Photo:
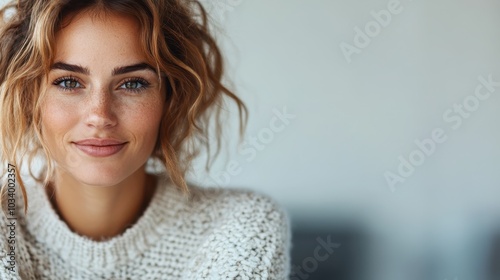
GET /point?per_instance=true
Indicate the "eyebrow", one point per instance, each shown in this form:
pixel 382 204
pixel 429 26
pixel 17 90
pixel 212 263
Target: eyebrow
pixel 116 71
pixel 132 68
pixel 70 67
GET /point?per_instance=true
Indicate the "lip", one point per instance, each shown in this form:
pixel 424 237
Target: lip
pixel 99 142
pixel 100 147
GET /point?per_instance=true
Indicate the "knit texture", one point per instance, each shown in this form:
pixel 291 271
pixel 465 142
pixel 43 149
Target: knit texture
pixel 211 234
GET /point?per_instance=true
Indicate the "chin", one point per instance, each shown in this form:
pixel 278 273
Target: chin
pixel 97 175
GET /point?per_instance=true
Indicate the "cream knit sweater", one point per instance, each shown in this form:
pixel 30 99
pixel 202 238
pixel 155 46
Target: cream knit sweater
pixel 212 234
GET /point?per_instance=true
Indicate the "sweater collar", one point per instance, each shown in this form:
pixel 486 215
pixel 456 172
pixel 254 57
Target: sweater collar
pixel 81 252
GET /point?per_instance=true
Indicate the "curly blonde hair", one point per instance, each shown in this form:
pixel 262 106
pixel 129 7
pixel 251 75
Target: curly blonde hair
pixel 175 34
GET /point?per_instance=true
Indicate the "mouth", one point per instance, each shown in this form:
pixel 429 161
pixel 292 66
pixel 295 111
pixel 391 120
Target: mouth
pixel 99 150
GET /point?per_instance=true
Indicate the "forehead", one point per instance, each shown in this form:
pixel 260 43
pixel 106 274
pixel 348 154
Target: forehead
pixel 89 37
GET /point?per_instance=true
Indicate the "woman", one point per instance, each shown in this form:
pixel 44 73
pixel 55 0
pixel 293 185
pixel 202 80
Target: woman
pixel 101 88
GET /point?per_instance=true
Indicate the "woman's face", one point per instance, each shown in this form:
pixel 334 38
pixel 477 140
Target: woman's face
pixel 101 86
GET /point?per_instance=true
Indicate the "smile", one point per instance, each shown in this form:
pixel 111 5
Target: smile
pixel 100 151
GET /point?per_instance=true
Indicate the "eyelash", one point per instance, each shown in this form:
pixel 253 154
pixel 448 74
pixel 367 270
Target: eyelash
pixel 62 79
pixel 144 84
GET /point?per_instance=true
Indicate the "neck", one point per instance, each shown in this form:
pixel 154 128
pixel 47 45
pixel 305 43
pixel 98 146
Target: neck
pixel 101 212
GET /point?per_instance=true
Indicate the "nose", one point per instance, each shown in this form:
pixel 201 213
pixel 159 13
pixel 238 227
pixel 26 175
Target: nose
pixel 100 105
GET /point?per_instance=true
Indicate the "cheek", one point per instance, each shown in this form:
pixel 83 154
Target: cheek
pixel 145 120
pixel 56 119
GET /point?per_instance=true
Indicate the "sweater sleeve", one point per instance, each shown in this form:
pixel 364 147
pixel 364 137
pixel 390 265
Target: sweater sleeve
pixel 251 241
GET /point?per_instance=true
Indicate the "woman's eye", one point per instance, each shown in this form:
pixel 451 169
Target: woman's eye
pixel 134 85
pixel 67 84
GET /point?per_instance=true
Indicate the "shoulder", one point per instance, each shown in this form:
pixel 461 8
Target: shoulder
pixel 246 206
pixel 249 233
